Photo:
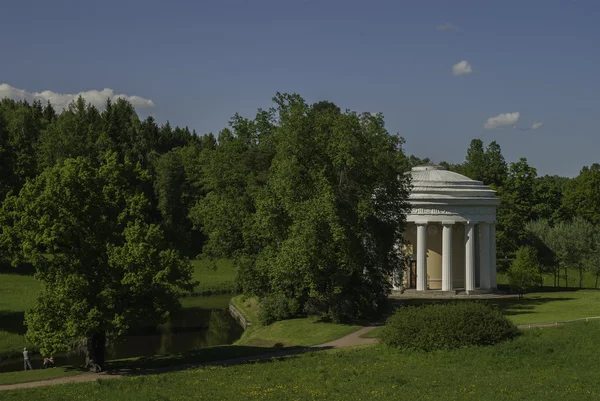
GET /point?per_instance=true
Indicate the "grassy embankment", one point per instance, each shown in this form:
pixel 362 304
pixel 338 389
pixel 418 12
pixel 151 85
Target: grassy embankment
pixel 558 363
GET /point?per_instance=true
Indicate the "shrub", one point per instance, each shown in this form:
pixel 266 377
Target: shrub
pixel 277 307
pixel 447 326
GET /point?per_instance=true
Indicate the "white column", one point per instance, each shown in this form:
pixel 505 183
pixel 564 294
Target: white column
pixel 493 283
pixel 421 256
pixel 484 257
pixel 447 255
pixel 469 256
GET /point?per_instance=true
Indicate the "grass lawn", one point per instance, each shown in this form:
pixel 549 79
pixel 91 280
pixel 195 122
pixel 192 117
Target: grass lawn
pixel 214 278
pixel 540 307
pixel 547 307
pixel 589 279
pixel 295 332
pixel 543 364
pixel 18 292
pixel 38 374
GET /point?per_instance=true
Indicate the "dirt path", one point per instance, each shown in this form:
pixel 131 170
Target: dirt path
pixel 551 324
pixel 350 340
pixel 82 378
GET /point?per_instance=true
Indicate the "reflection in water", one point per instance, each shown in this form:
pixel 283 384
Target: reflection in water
pixel 191 328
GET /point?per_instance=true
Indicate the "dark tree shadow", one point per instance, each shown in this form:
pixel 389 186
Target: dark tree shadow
pixel 23 269
pixel 12 322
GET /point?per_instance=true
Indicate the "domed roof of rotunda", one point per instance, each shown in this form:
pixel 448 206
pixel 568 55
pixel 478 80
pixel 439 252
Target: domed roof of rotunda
pixel 436 182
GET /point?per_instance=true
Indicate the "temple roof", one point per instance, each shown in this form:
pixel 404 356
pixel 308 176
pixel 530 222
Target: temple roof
pixel 436 182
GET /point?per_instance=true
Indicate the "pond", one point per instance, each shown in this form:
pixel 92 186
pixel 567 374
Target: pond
pixel 202 322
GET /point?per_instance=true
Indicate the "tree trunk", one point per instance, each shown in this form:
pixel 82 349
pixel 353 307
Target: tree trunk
pixel 566 278
pixel 597 274
pixel 580 276
pixel 96 345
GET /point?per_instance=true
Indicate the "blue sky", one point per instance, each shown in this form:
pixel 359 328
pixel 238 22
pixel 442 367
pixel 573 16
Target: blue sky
pixel 199 62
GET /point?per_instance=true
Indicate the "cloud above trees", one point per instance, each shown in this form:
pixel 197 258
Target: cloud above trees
pixel 502 121
pixel 510 120
pixel 61 101
pixel 462 68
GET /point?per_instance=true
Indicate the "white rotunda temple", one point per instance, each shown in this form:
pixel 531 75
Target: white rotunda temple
pixel 451 233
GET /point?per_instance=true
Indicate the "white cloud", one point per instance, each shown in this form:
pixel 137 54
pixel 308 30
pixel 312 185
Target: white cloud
pixel 448 26
pixel 61 101
pixel 462 68
pixel 537 124
pixel 502 121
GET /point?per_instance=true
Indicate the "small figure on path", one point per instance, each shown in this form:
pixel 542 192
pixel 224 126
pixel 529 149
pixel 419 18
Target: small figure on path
pixel 26 361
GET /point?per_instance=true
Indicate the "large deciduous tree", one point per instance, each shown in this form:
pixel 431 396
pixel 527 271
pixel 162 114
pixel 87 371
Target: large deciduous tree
pixel 312 203
pixel 104 267
pixel 516 208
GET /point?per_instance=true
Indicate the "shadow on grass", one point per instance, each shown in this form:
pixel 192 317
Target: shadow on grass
pixel 218 355
pixel 23 269
pixel 508 306
pixel 12 322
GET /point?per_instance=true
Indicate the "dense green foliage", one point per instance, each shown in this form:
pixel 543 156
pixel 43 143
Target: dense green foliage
pixel 582 194
pixel 525 270
pixel 308 201
pixel 446 326
pixel 543 364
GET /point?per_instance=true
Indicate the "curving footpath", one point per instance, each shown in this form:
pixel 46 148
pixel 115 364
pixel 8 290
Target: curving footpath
pixel 352 339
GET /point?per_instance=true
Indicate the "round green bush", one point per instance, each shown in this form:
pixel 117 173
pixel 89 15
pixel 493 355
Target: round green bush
pixel 447 326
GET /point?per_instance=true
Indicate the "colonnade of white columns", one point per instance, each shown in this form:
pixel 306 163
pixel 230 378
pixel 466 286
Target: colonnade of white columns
pixel 487 255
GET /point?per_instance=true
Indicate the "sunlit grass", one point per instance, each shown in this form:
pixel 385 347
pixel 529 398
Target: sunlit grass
pixel 214 277
pixel 543 364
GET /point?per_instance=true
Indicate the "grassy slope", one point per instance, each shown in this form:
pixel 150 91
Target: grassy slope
pixel 296 332
pixel 544 364
pixel 288 333
pixel 214 278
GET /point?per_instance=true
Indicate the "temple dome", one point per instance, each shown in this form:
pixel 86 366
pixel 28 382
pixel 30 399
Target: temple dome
pixel 436 182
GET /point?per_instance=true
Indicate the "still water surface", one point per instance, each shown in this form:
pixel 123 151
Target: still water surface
pixel 202 322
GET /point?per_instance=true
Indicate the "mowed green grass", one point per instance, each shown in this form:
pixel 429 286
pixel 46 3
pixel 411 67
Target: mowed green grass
pixel 538 307
pixel 589 279
pixel 214 277
pixel 36 375
pixel 295 332
pixel 548 307
pixel 558 363
pixel 17 294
